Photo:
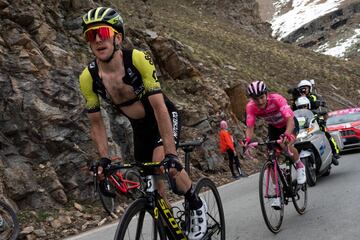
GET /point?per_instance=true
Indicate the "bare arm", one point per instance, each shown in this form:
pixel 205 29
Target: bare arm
pixel 98 133
pixel 164 122
pixel 290 125
pixel 249 132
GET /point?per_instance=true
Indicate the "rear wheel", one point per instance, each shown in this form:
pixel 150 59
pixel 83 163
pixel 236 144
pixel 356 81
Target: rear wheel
pixel 300 194
pixel 9 225
pixel 310 166
pixel 207 190
pixel 267 193
pixel 135 176
pixel 300 197
pixel 138 222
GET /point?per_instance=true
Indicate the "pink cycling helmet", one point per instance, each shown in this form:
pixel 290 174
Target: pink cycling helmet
pixel 223 124
pixel 256 89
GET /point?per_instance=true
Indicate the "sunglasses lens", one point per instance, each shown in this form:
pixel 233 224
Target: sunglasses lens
pixel 90 35
pixel 103 33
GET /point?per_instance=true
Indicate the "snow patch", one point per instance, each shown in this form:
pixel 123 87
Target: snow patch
pixel 302 12
pixel 341 46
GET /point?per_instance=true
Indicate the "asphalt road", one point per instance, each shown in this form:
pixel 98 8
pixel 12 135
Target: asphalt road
pixel 333 210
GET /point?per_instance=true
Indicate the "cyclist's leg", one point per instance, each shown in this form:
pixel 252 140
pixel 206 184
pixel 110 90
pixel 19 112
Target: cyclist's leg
pixel 182 180
pixel 274 134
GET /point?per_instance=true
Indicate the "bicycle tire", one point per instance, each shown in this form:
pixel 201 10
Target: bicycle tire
pixel 137 210
pixel 300 196
pixel 107 202
pixel 273 218
pixel 310 167
pixel 10 228
pixel 207 190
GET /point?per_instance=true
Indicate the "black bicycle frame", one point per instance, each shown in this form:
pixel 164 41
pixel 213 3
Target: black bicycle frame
pixel 162 208
pixel 273 157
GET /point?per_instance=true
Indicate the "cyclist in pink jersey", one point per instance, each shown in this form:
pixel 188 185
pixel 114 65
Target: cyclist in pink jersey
pixel 282 124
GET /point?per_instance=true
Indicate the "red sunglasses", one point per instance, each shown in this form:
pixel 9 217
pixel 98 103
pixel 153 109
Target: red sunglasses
pixel 104 32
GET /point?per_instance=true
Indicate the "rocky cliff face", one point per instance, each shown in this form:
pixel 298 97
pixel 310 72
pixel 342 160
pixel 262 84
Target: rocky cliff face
pixel 205 52
pixel 44 140
pixel 244 13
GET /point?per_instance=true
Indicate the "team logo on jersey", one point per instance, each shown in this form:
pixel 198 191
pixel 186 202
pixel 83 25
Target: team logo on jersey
pixel 147 57
pixel 130 72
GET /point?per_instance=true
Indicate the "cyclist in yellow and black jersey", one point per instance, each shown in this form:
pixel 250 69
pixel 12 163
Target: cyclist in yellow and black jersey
pixel 140 75
pixel 127 80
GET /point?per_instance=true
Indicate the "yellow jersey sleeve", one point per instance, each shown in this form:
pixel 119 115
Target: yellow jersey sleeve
pixel 86 88
pixel 144 64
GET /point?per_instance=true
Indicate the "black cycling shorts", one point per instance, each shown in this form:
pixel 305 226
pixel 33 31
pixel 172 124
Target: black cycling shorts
pixel 274 133
pixel 146 132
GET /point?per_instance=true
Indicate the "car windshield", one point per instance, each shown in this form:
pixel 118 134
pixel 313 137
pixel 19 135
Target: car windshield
pixel 345 118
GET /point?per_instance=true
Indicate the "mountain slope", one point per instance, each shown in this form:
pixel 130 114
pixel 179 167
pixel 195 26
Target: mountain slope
pixel 204 58
pixel 329 27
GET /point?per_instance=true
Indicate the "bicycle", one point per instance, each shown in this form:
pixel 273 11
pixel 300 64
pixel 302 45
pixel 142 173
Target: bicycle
pixel 276 181
pixel 116 183
pixel 9 224
pixel 150 217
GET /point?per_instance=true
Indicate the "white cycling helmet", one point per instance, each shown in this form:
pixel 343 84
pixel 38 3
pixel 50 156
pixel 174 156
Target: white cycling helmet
pixel 305 83
pixel 256 89
pixel 302 102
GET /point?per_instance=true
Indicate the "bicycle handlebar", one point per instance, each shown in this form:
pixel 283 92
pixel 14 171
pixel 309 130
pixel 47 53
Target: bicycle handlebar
pixel 113 167
pixel 270 143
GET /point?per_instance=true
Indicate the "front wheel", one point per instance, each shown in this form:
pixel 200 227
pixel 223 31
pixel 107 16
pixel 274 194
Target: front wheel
pixel 208 192
pixel 107 201
pixel 138 222
pixel 268 193
pixel 9 225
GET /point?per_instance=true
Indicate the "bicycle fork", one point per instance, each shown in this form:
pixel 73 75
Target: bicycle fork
pixel 163 209
pixel 274 177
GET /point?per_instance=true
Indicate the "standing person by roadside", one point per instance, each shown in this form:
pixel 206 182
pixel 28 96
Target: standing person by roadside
pixel 227 146
pixel 126 78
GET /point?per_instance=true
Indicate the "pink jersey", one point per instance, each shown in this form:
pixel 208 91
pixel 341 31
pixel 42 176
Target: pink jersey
pixel 276 112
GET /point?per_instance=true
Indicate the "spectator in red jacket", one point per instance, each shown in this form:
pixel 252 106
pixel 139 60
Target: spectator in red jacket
pixel 227 146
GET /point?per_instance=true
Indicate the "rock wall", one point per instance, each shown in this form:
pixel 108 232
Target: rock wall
pixel 245 13
pixel 45 149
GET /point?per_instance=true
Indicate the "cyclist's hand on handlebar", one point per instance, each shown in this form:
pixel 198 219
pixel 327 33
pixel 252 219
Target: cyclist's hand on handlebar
pixel 286 138
pixel 171 163
pixel 248 146
pixel 245 142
